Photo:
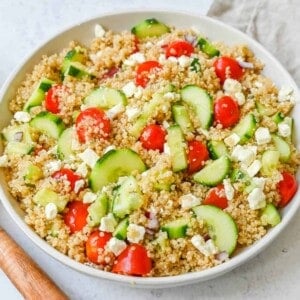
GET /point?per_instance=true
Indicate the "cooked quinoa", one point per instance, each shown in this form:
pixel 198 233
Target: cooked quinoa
pixel 111 61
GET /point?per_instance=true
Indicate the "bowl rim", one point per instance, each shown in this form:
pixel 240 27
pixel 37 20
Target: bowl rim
pixel 149 282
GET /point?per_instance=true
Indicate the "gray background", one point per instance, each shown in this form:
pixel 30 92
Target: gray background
pixel 274 274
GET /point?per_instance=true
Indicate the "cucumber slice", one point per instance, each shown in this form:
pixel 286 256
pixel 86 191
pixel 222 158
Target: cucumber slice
pixel 18 148
pixel 270 215
pixel 221 226
pixel 77 54
pixel 38 95
pixel 206 47
pixel 217 149
pixel 148 112
pixel 278 117
pixel 112 165
pixel 262 110
pixel 48 123
pixel 149 28
pixel 238 175
pixel 269 161
pixel 200 102
pixel 78 70
pixel 105 98
pixel 245 128
pixel 64 144
pixel 283 148
pixel 177 145
pixel 181 117
pixel 121 229
pixel 127 198
pixel 176 229
pixel 45 196
pixel 33 174
pixel 97 210
pixel 214 173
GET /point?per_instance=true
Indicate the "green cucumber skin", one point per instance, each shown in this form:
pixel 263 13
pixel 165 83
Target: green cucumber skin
pixel 107 171
pixel 245 129
pixel 222 227
pixel 149 28
pixel 121 229
pixel 217 149
pixel 207 48
pixel 181 117
pixel 97 210
pixel 204 176
pixel 201 102
pixel 176 229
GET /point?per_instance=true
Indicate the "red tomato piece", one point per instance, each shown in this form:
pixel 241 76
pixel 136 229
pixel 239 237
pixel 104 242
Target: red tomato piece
pixel 287 188
pixel 76 216
pixel 216 196
pixel 179 48
pixel 53 98
pixel 197 154
pixel 226 111
pixel 134 260
pixel 153 137
pixel 227 67
pixel 92 122
pixel 71 176
pixel 143 70
pixel 97 240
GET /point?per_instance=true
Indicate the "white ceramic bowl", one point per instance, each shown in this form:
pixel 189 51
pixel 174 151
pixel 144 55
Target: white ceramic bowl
pixel 125 20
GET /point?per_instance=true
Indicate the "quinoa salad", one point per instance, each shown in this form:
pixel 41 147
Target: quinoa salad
pixel 150 152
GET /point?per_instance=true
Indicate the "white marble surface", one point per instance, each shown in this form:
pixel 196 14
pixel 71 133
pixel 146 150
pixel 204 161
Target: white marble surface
pixel 273 274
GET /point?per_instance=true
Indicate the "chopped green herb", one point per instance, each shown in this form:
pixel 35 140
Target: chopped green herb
pixel 195 65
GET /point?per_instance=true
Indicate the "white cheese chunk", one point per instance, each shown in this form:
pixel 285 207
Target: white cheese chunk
pixel 183 61
pixel 116 246
pixel 53 166
pixel 228 188
pixel 246 157
pixel 232 140
pixel 170 96
pixel 172 59
pixel 254 168
pixel 129 89
pixel 82 170
pixel 50 211
pixel 232 86
pixel 286 93
pixel 89 156
pixel 259 182
pixel 89 197
pixel 188 201
pixel 115 111
pixel 207 248
pixel 257 199
pixel 79 184
pixel 22 116
pixel 240 98
pixel 135 233
pixel 132 112
pixel 167 149
pixel 99 31
pixel 138 57
pixel 108 223
pixel 3 160
pixel 262 135
pixel 162 59
pixel 138 92
pixel 284 129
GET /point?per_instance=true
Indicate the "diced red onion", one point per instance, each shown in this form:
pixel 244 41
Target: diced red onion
pixel 191 39
pixel 245 64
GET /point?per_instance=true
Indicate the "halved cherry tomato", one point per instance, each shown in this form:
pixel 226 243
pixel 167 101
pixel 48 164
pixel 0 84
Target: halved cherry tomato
pixel 153 137
pixel 134 260
pixel 179 48
pixel 71 176
pixel 216 196
pixel 197 154
pixel 227 67
pixel 142 72
pixel 97 240
pixel 287 188
pixel 226 111
pixel 92 123
pixel 76 216
pixel 53 98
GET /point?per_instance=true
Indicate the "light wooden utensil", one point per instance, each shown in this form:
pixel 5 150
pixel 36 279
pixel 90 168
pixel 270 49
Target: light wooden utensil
pixel 24 273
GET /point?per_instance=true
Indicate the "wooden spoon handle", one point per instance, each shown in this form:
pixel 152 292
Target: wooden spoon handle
pixel 24 273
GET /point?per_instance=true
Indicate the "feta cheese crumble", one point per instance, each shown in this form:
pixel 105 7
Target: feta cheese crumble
pixel 79 184
pixel 232 140
pixel 50 211
pixel 167 149
pixel 89 156
pixel 257 199
pixel 135 233
pixel 99 31
pixel 188 201
pixel 22 116
pixel 115 110
pixel 232 86
pixel 262 135
pixel 228 188
pixel 129 89
pixel 207 248
pixel 89 197
pixel 116 246
pixel 284 130
pixel 108 223
pixel 53 166
pixel 286 93
pixel 254 168
pixel 183 61
pixel 82 170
